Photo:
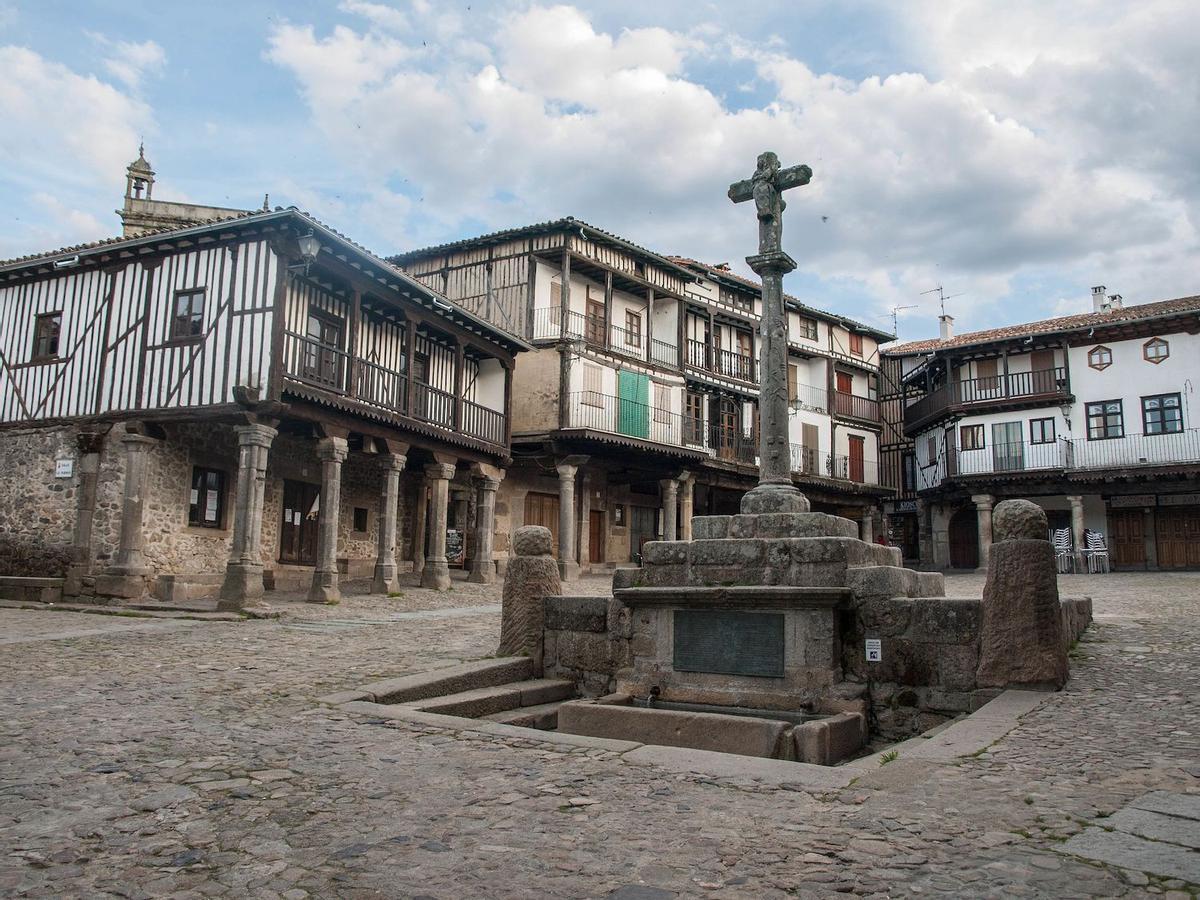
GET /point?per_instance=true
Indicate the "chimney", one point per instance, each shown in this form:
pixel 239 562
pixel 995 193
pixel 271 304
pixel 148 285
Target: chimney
pixel 1098 301
pixel 1115 302
pixel 945 327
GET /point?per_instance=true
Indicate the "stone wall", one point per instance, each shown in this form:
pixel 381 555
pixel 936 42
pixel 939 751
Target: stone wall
pixel 37 510
pixel 587 639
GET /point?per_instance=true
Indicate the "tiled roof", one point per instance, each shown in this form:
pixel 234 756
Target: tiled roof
pixel 536 228
pixel 722 271
pixel 1050 326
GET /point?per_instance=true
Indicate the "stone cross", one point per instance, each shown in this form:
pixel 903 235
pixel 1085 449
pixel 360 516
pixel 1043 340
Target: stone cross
pixel 775 491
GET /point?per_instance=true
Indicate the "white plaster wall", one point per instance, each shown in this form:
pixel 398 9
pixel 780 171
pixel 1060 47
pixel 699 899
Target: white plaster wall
pixel 1035 455
pixel 870 449
pixel 489 385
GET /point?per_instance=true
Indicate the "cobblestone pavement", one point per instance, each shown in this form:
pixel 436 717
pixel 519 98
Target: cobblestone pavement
pixel 144 759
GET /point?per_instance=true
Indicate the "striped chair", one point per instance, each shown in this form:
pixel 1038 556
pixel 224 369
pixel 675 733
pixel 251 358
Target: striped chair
pixel 1096 552
pixel 1064 554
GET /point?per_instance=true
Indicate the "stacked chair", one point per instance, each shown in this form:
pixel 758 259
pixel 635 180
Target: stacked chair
pixel 1064 553
pixel 1096 552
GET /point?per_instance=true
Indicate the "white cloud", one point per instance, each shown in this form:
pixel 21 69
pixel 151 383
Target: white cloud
pixel 130 62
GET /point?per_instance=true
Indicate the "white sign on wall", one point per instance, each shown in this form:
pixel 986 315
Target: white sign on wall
pixel 64 468
pixel 874 650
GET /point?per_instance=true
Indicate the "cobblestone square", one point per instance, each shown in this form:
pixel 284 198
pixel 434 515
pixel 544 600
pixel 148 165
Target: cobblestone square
pixel 146 757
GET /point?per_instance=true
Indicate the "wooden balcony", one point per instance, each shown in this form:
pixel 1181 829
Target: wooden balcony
pixel 1016 388
pixel 852 406
pixel 727 363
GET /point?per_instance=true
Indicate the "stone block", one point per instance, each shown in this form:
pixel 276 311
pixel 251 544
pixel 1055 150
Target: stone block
pixel 930 584
pixel 957 665
pixel 619 620
pixel 658 576
pixel 726 553
pixel 827 741
pixel 451 679
pixel 881 581
pixel 584 651
pixel 1019 520
pixel 576 614
pixel 710 527
pixel 946 620
pixel 664 553
pixel 885 617
pixel 626 578
pixel 846 551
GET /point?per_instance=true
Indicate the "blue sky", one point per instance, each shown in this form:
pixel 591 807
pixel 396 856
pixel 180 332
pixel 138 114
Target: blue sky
pixel 1017 153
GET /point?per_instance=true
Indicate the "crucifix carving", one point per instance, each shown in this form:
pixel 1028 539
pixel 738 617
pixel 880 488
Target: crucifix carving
pixel 775 491
pixel 765 187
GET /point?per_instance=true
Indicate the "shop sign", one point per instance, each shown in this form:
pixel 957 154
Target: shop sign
pixel 1131 500
pixel 1179 499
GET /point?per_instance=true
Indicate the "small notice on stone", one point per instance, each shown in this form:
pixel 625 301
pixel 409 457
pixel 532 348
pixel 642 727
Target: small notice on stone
pixel 64 468
pixel 874 650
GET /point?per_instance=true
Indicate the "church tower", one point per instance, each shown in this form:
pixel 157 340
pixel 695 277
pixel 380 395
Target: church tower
pixel 141 214
pixel 139 178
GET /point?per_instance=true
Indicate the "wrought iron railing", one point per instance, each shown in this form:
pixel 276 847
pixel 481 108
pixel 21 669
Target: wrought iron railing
pixel 664 353
pixel 618 415
pixel 805 396
pixel 807 460
pixel 854 407
pixel 1005 457
pixel 1135 450
pixel 548 324
pixel 730 363
pixel 852 468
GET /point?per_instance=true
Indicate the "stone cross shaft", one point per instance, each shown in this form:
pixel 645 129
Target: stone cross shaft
pixel 775 491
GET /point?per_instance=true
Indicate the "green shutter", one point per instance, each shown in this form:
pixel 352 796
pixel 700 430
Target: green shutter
pixel 633 397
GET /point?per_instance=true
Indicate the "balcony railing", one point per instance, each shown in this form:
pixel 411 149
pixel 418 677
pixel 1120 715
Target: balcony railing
pixel 1135 450
pixel 664 353
pixel 854 407
pixel 730 363
pixel 617 415
pixel 981 391
pixel 1017 456
pixel 810 461
pixel 805 396
pixel 316 363
pixel 548 325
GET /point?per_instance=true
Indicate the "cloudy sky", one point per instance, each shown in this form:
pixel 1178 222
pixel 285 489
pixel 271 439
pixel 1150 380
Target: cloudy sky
pixel 1016 153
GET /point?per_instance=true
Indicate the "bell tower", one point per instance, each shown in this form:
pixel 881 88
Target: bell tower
pixel 141 213
pixel 139 178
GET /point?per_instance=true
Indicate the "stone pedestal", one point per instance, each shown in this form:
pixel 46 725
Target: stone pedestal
pixel 244 570
pixel 436 574
pixel 483 568
pixel 384 581
pixel 332 452
pixel 531 577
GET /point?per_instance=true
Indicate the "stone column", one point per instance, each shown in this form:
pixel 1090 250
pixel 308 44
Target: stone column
pixel 420 526
pixel 130 559
pixel 670 498
pixel 244 570
pixel 585 522
pixel 867 526
pixel 389 499
pixel 983 516
pixel 567 566
pixel 483 568
pixel 332 453
pixel 436 574
pixel 89 444
pixel 687 504
pixel 1077 528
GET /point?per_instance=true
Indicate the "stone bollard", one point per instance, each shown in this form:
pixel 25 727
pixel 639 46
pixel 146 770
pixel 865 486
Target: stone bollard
pixel 1021 638
pixel 532 576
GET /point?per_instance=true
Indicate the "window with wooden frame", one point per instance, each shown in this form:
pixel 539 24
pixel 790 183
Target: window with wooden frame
pixel 1099 358
pixel 322 349
pixel 807 329
pixel 593 385
pixel 633 328
pixel 856 344
pixel 931 451
pixel 1155 350
pixel 793 383
pixel 1162 414
pixel 46 330
pixel 1041 431
pixel 662 404
pixel 187 318
pixel 908 472
pixel 1105 420
pixel 207 506
pixel 970 437
pixel 694 418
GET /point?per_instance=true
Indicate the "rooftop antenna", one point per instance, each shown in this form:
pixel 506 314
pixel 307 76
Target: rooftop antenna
pixel 895 319
pixel 942 296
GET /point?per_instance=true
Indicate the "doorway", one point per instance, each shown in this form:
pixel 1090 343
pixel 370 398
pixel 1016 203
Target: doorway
pixel 301 518
pixel 1178 533
pixel 596 535
pixel 643 527
pixel 857 447
pixel 964 540
pixel 542 509
pixel 1127 538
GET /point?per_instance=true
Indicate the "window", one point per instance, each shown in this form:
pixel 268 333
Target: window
pixel 633 329
pixel 856 345
pixel 1105 420
pixel 595 324
pixel 694 423
pixel 322 350
pixel 662 403
pixel 46 328
pixel 593 391
pixel 793 383
pixel 807 329
pixel 1041 431
pixel 1155 350
pixel 931 451
pixel 360 518
pixel 1162 414
pixel 1099 358
pixel 619 515
pixel 970 437
pixel 188 318
pixel 207 507
pixel 908 471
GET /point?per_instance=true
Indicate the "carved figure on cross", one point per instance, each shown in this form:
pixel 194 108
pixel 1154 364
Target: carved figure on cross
pixel 765 187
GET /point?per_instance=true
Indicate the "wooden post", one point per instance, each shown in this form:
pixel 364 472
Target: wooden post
pixel 458 384
pixel 608 298
pixel 649 324
pixel 508 382
pixel 564 310
pixel 352 344
pixel 410 356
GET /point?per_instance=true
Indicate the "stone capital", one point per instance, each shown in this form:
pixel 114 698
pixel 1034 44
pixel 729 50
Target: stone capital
pixel 483 470
pixel 255 435
pixel 566 471
pixel 137 441
pixel 393 462
pixel 1075 501
pixel 670 487
pixel 686 479
pixel 334 449
pixel 983 501
pixel 488 484
pixel 440 471
pixel 775 263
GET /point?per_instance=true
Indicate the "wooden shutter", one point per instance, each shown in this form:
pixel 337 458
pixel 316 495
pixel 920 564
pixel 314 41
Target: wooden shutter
pixel 793 380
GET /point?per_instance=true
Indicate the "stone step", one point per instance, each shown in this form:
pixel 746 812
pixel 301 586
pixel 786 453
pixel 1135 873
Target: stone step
pixel 894 581
pixel 482 673
pixel 543 716
pixel 481 702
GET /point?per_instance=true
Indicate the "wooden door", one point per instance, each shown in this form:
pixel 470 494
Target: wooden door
pixel 596 535
pixel 727 429
pixel 964 540
pixel 596 330
pixel 1127 538
pixel 1178 532
pixel 643 527
pixel 542 509
pixel 322 351
pixel 845 382
pixel 857 447
pixel 301 517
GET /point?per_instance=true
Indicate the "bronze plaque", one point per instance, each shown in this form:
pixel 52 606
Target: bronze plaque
pixel 726 642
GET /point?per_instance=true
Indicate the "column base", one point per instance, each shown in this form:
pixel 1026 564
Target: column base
pixel 243 581
pixel 384 581
pixel 484 573
pixel 324 588
pixel 568 570
pixel 436 575
pixel 774 498
pixel 126 583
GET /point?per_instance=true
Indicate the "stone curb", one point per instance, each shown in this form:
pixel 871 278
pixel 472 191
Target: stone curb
pixel 125 611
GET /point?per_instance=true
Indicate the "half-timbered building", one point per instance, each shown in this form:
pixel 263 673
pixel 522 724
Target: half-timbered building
pixel 638 404
pixel 1087 415
pixel 248 402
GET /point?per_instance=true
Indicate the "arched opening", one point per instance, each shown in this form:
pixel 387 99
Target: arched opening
pixel 964 539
